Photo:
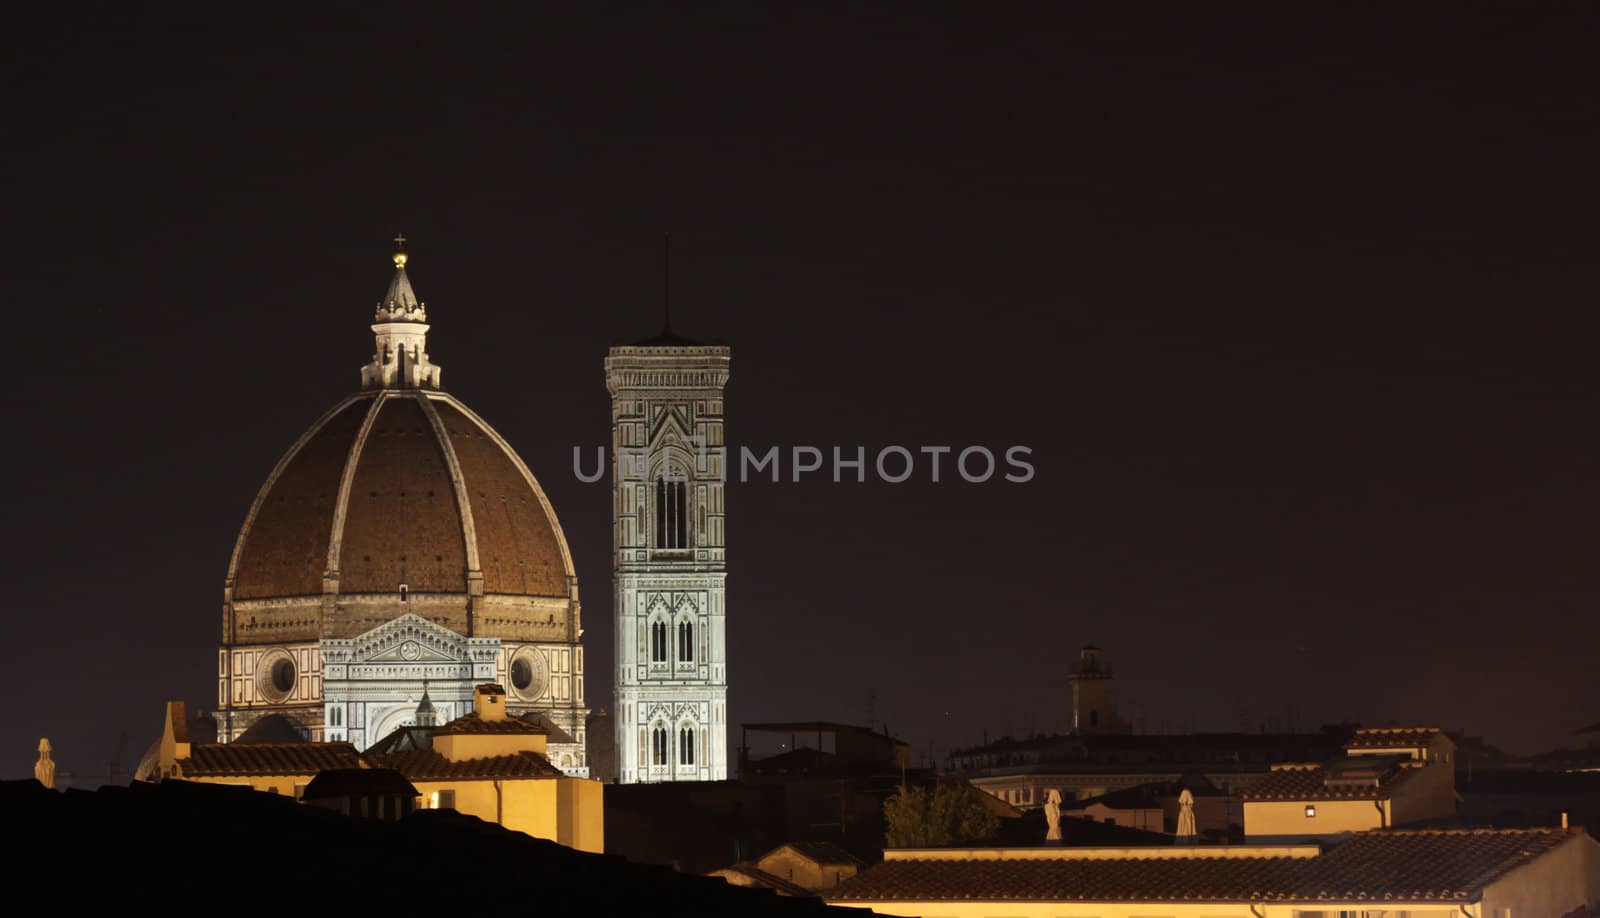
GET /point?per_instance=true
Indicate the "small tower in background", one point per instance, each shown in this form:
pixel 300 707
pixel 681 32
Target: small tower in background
pixel 1093 710
pixel 426 715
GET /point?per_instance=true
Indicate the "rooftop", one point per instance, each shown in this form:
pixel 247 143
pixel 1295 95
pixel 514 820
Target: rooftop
pixel 427 765
pixel 821 852
pixel 1342 779
pixel 1392 737
pixel 230 759
pixel 146 841
pixel 762 878
pixel 472 724
pixel 1389 866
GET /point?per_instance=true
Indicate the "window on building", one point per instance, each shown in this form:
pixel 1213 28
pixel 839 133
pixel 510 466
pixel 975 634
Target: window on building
pixel 685 642
pixel 444 800
pixel 1310 811
pixel 686 746
pixel 672 522
pixel 658 642
pixel 658 746
pixel 405 592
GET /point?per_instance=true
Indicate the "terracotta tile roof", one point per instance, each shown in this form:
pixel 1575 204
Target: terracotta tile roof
pixel 1390 737
pixel 1427 865
pixel 427 765
pixel 1320 782
pixel 235 759
pixel 1067 880
pixel 469 724
pixel 1389 866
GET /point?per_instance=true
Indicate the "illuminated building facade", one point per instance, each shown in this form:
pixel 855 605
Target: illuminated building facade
pixel 401 540
pixel 670 568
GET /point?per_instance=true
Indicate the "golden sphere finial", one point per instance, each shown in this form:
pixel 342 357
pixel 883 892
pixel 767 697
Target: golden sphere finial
pixel 399 250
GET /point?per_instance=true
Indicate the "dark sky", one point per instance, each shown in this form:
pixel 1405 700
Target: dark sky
pixel 1296 311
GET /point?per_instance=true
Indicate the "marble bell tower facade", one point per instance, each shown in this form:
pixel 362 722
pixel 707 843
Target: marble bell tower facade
pixel 667 471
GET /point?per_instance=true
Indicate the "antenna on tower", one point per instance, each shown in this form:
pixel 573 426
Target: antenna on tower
pixel 666 283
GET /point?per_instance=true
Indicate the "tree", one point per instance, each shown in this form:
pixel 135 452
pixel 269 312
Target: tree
pixel 949 813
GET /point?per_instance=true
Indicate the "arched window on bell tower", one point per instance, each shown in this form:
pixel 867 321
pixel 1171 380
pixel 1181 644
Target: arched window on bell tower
pixel 658 745
pixel 672 520
pixel 686 745
pixel 685 641
pixel 658 642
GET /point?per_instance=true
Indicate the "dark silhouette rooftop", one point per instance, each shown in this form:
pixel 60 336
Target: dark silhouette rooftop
pixel 135 842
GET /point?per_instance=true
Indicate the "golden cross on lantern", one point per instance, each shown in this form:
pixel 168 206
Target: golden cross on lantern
pixel 399 250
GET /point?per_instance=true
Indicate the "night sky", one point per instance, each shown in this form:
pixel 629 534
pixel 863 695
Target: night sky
pixel 1297 314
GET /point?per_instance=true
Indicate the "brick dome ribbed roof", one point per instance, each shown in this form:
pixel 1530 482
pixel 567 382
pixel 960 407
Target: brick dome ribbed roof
pixel 400 486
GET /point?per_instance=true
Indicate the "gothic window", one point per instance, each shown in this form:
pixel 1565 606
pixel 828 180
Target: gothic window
pixel 685 642
pixel 686 746
pixel 658 642
pixel 658 746
pixel 672 530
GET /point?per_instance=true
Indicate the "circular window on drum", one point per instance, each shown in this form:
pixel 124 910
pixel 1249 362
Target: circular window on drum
pixel 276 675
pixel 530 676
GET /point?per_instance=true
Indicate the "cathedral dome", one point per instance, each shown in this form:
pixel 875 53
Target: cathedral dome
pixel 399 499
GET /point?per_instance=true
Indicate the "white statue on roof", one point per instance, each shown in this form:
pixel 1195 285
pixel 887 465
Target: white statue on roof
pixel 1052 816
pixel 1186 824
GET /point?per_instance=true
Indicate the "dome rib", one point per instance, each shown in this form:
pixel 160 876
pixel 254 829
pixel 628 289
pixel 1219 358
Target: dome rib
pixel 347 476
pixel 458 482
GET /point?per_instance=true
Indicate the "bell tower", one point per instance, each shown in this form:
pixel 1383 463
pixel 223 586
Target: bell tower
pixel 1092 708
pixel 669 570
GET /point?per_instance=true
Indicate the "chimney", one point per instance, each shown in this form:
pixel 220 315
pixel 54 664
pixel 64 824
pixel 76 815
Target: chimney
pixel 489 702
pixel 175 743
